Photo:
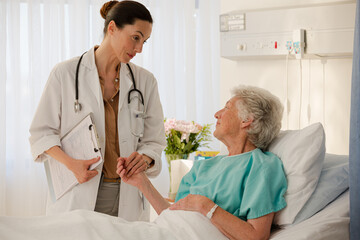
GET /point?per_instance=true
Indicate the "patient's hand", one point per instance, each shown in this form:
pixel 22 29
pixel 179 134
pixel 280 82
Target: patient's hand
pixel 193 202
pixel 141 181
pixel 136 163
pixel 136 180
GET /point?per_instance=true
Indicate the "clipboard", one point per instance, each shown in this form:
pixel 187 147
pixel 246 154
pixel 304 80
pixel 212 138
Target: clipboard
pixel 81 142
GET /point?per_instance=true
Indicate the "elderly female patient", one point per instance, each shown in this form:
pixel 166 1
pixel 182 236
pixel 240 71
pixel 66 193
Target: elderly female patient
pixel 240 192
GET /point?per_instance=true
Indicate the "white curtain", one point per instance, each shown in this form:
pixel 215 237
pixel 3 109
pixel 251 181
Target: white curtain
pixel 182 53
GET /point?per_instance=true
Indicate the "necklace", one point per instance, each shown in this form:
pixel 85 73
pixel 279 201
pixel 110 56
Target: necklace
pixel 111 86
pixel 116 80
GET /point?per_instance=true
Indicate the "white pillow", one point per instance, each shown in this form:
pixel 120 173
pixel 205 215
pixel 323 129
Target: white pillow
pixel 302 153
pixel 333 181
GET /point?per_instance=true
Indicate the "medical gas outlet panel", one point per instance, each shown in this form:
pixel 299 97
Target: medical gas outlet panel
pixel 261 46
pixel 310 32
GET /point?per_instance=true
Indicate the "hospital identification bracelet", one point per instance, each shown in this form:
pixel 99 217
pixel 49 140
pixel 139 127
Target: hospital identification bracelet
pixel 211 212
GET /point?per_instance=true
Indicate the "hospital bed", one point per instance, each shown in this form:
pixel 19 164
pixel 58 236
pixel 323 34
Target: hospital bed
pixel 318 195
pixel 317 204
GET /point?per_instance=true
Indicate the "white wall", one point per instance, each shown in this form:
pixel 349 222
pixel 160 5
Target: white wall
pixel 325 85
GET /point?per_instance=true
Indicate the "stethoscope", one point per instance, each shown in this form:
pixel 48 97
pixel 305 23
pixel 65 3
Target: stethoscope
pixel 77 105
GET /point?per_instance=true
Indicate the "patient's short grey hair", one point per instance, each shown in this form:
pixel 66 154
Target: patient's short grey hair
pixel 266 110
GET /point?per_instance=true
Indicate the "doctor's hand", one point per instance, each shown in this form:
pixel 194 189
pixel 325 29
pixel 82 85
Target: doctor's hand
pixel 81 171
pixel 137 180
pixel 194 202
pixel 136 163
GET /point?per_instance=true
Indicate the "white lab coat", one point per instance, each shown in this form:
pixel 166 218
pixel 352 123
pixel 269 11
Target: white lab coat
pixel 55 116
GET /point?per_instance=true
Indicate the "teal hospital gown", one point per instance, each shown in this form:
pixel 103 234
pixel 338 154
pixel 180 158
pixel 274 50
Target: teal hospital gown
pixel 248 185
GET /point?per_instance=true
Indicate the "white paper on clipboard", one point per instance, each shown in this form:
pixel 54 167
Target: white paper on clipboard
pixel 81 143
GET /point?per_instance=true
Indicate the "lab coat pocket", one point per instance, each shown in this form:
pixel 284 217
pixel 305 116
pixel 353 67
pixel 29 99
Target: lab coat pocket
pixel 137 119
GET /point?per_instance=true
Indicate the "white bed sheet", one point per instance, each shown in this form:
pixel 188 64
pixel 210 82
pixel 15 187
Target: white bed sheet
pixel 331 223
pixel 88 225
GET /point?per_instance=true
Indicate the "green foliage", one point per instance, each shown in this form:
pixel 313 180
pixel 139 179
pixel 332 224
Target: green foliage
pixel 196 140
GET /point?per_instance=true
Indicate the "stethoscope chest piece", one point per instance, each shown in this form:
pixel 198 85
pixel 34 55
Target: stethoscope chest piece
pixel 77 106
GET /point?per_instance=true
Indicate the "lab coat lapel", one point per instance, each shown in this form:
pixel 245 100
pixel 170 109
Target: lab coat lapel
pixel 93 87
pixel 125 85
pixel 92 76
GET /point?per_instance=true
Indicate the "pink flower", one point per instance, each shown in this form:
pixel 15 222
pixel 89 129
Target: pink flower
pixel 180 142
pixel 169 124
pixel 184 127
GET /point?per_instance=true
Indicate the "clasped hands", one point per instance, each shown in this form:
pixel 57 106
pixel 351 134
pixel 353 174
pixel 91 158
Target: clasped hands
pixel 135 176
pixel 132 165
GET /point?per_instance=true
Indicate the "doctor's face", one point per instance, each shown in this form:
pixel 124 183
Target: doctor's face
pixel 129 40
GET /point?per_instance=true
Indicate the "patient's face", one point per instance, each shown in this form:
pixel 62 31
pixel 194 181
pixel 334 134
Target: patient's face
pixel 228 121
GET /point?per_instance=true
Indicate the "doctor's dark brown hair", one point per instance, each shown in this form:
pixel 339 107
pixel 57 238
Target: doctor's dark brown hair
pixel 124 12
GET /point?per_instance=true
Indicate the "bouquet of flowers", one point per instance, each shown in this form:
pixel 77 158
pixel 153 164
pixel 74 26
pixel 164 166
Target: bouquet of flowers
pixel 185 137
pixel 182 139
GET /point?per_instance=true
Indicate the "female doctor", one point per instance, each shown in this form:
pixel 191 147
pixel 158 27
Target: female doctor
pixel 124 102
